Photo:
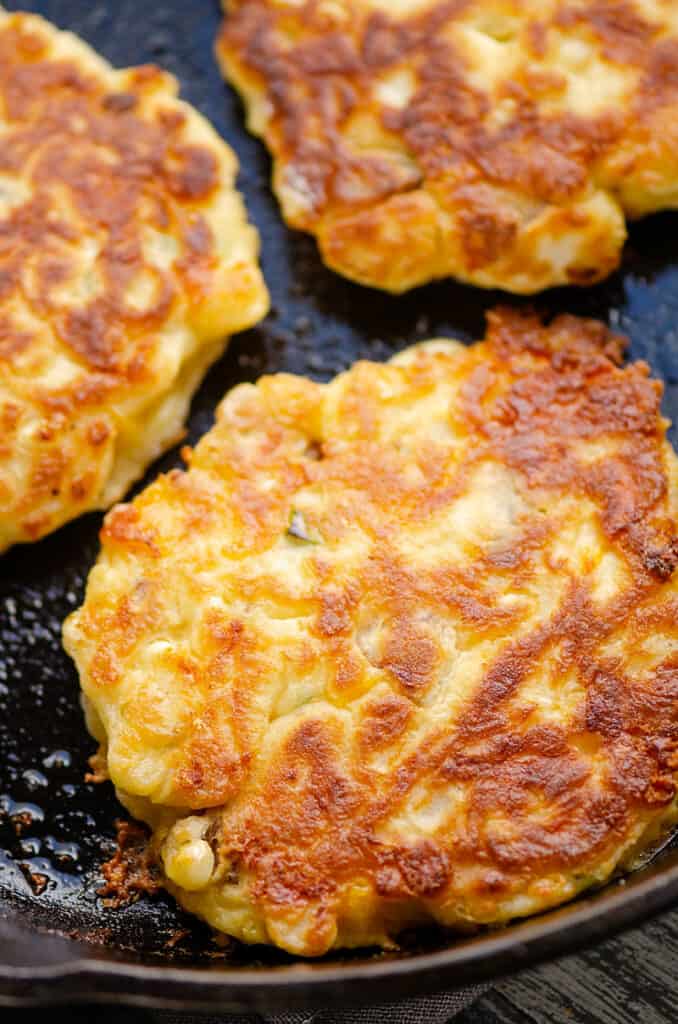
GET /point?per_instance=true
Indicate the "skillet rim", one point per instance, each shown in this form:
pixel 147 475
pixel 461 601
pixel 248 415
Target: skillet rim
pixel 309 985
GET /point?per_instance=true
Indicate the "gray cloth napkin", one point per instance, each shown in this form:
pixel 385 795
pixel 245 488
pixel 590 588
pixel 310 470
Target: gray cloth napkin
pixel 436 1009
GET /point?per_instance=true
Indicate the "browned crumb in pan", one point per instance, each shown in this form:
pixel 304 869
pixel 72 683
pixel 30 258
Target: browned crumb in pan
pixel 132 871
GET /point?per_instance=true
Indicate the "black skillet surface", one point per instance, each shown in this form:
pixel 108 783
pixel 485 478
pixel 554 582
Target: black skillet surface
pixel 55 830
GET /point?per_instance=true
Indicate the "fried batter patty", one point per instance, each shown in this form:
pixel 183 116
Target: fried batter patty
pixel 125 261
pixel 401 647
pixel 502 142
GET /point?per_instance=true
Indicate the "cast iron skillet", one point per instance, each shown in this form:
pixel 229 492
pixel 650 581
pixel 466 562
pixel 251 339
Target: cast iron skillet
pixel 55 830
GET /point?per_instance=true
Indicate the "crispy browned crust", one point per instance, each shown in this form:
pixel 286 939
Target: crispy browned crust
pixel 405 692
pixel 115 289
pixel 526 132
pixel 132 871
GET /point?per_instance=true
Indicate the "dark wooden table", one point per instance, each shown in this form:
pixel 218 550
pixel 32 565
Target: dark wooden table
pixel 632 979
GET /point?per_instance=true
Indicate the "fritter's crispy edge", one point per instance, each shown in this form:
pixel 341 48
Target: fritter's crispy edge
pixel 70 447
pixel 535 202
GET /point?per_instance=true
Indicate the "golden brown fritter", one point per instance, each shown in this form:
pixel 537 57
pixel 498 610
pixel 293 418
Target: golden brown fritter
pixel 399 647
pixel 502 142
pixel 125 261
